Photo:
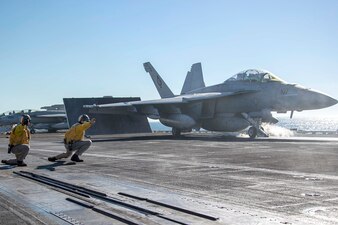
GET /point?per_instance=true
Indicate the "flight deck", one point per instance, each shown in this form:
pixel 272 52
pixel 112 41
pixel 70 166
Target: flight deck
pixel 156 179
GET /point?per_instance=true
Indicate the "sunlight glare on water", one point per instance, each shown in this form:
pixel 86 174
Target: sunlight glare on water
pixel 310 123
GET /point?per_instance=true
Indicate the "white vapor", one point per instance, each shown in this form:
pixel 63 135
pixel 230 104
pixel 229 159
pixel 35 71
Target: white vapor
pixel 277 131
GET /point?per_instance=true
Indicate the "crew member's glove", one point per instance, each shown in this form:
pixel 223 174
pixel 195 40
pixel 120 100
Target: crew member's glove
pixel 10 148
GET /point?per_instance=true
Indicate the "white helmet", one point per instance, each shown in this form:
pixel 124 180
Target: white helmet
pixel 25 119
pixel 83 118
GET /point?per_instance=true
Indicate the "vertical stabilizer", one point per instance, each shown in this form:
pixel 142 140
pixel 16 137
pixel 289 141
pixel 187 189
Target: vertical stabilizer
pixel 161 86
pixel 194 79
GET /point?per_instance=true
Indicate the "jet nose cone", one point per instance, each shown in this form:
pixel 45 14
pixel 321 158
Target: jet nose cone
pixel 322 100
pixel 331 101
pixel 310 99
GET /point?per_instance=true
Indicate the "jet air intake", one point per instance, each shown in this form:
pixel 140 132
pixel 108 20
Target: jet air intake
pixel 180 121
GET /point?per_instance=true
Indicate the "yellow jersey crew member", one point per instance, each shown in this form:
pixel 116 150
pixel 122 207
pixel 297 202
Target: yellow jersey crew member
pixel 74 139
pixel 19 142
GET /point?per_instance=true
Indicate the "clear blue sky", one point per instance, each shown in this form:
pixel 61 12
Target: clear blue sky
pixel 55 49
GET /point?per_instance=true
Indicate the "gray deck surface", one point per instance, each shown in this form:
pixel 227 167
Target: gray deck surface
pixel 237 180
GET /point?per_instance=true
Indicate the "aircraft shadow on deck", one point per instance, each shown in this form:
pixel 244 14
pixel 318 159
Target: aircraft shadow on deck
pixel 211 138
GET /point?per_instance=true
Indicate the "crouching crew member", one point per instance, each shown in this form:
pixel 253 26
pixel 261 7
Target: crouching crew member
pixel 74 140
pixel 19 142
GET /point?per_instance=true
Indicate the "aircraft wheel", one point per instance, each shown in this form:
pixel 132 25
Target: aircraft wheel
pixel 252 132
pixel 176 132
pixel 32 131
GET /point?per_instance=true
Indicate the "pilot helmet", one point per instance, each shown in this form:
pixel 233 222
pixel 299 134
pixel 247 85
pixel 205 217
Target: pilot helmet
pixel 25 119
pixel 83 118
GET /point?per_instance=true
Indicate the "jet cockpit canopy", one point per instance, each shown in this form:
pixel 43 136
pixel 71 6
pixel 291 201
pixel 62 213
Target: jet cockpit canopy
pixel 253 75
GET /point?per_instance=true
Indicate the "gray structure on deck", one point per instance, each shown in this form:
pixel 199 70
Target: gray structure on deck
pixel 106 123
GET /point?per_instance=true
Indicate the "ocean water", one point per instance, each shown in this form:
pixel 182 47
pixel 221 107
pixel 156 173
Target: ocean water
pixel 299 124
pixel 310 123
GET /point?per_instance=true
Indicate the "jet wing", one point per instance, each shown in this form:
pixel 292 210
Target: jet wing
pixel 51 115
pixel 150 107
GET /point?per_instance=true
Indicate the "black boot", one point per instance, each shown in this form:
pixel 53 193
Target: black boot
pixel 75 158
pixel 4 161
pixel 21 163
pixel 52 159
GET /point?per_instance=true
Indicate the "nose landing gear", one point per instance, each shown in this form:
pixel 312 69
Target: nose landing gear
pixel 255 129
pixel 252 132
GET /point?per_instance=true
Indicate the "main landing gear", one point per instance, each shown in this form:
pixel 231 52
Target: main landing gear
pixel 176 132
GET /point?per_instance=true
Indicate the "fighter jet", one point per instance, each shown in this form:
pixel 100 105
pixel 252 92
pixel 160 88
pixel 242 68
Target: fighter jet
pixel 52 119
pixel 244 100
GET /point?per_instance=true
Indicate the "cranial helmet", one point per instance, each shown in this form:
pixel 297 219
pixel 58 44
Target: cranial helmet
pixel 83 118
pixel 25 119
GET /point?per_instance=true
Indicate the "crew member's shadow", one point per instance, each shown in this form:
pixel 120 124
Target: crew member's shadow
pixel 55 164
pixel 7 167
